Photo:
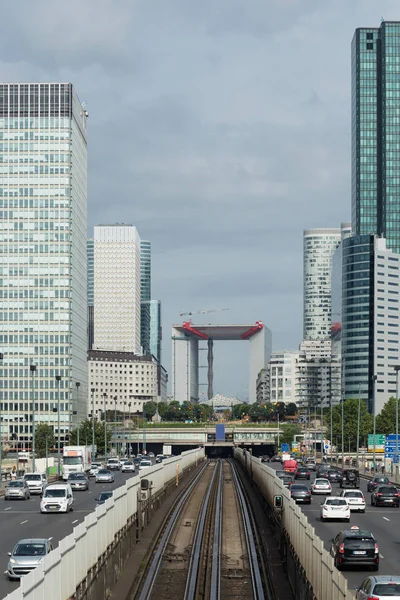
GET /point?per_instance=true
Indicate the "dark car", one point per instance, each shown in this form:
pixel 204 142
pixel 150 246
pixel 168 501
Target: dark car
pixel 322 470
pixel 300 493
pixel 378 480
pixel 311 465
pixel 103 497
pixel 350 478
pixel 334 476
pixel 302 473
pixel 78 481
pixel 276 458
pixel 159 458
pixel 265 459
pixel 355 547
pixel 136 461
pixel 287 480
pixel 385 495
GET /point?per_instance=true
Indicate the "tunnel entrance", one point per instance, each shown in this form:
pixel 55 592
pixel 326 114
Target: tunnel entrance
pixel 219 451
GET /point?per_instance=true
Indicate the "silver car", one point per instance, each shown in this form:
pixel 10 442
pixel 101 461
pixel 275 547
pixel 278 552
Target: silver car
pixel 128 467
pixel 17 490
pixel 26 556
pixel 105 476
pixel 379 586
pixel 78 481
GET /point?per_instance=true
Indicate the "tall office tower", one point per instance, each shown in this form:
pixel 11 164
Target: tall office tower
pixel 145 291
pixel 90 291
pixel 42 258
pixel 117 288
pixel 318 248
pixel 375 139
pixel 155 329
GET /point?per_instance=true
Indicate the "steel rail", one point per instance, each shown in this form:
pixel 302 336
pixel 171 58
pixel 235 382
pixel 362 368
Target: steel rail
pixel 156 563
pixel 217 543
pixel 194 563
pixel 258 588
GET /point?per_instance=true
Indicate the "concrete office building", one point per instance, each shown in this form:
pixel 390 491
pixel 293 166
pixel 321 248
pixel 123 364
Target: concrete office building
pixel 262 386
pixel 90 291
pixel 282 376
pixel 145 293
pixel 318 248
pixel 117 288
pixel 43 315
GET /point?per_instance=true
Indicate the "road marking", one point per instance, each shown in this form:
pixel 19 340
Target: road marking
pixel 9 508
pixel 50 538
pixel 386 519
pixel 24 521
pixel 89 492
pixel 381 555
pixel 76 520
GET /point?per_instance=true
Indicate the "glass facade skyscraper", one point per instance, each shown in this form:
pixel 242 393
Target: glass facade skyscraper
pixel 375 132
pixel 145 293
pixel 43 179
pixel 90 291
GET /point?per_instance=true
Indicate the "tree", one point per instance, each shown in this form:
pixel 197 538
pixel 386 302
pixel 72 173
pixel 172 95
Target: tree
pixel 350 410
pixel 239 410
pixel 150 408
pixel 288 433
pixel 85 435
pixel 43 432
pixel 162 409
pixel 291 409
pixel 386 420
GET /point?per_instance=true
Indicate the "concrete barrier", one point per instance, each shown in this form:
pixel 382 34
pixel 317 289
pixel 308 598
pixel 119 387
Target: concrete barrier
pixel 309 566
pixel 82 555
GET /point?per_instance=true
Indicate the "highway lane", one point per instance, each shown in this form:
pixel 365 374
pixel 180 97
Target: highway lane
pixel 22 519
pixel 384 523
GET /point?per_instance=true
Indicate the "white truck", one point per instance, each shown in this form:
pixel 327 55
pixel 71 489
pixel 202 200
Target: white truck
pixel 76 459
pixel 167 450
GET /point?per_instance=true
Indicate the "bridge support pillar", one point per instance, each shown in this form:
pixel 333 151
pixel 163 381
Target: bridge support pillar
pixel 210 374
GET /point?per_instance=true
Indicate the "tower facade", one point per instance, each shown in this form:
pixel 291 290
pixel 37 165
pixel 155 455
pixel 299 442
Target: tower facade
pixel 43 293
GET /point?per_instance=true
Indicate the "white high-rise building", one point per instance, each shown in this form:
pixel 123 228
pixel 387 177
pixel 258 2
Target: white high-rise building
pixel 318 248
pixel 117 292
pixel 282 376
pixel 43 316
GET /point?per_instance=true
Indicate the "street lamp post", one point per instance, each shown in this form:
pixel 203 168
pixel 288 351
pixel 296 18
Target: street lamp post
pixel 92 392
pixel 374 378
pixel 78 385
pixel 144 429
pixel 342 394
pixel 358 422
pixel 32 370
pixel 397 369
pixel 115 424
pixel 330 402
pixel 58 379
pixel 1 436
pixel 123 428
pixel 105 427
pixel 129 421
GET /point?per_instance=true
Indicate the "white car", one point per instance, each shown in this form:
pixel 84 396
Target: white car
pixel 355 498
pixel 379 587
pixel 335 507
pixel 128 467
pixel 36 482
pixel 123 461
pixel 57 497
pixel 321 486
pixel 94 469
pixel 145 464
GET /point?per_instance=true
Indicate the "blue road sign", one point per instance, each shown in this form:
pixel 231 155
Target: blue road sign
pixel 285 447
pixel 396 459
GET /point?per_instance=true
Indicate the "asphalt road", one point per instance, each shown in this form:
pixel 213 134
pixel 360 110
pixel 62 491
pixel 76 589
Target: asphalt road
pixel 22 519
pixel 383 522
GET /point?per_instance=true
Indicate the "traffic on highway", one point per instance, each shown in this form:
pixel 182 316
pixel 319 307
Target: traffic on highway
pixel 360 536
pixel 28 534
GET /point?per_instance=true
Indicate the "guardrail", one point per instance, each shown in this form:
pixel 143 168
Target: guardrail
pixel 80 556
pixel 310 569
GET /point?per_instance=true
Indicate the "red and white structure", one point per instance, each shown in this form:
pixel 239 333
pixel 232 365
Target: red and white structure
pixel 186 339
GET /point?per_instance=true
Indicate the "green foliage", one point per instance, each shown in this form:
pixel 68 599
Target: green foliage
pixel 291 409
pixel 150 408
pixel 350 410
pixel 85 435
pixel 289 430
pixel 43 432
pixel 386 420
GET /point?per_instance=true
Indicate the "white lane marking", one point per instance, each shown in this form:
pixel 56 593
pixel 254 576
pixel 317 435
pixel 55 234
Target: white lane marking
pixel 22 523
pixel 9 508
pixel 89 492
pixel 76 520
pixel 386 519
pixel 381 555
pixel 50 538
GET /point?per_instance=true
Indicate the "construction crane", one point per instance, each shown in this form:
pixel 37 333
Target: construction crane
pixel 202 312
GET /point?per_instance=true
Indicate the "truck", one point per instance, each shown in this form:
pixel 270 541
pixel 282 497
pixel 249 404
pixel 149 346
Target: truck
pixel 290 465
pixel 76 459
pixel 167 450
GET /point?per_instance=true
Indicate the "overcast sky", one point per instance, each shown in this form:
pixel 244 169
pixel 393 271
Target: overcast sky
pixel 220 128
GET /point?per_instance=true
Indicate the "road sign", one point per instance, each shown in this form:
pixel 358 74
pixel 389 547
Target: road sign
pixel 285 447
pixel 396 459
pixel 327 446
pixel 380 440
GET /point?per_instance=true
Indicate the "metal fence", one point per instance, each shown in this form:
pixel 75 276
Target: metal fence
pixel 309 566
pixel 61 572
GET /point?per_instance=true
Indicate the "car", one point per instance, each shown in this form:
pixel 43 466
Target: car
pixel 287 480
pixel 159 458
pixel 151 455
pixel 276 458
pixel 17 490
pixel 26 556
pixel 379 587
pixel 128 467
pixel 333 476
pixel 281 474
pixel 145 464
pixel 350 477
pixel 311 465
pixel 300 493
pixel 322 470
pixel 321 486
pixel 94 469
pixel 355 547
pixel 104 496
pixel 335 507
pixel 385 495
pixel 36 482
pixel 113 464
pixel 78 481
pixel 57 497
pixel 378 480
pixel 105 476
pixel 302 473
pixel 355 498
pixel 122 462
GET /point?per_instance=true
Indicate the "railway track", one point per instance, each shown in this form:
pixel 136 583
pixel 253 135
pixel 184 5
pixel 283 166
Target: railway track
pixel 208 549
